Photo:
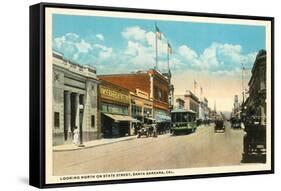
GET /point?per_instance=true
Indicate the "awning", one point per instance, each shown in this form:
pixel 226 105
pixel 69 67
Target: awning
pixel 119 117
pixel 150 118
pixel 135 120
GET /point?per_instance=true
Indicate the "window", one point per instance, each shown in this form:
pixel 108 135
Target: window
pixel 57 120
pixel 93 121
pixel 160 94
pixel 110 108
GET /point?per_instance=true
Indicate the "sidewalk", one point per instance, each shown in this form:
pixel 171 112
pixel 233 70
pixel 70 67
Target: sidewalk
pixel 90 144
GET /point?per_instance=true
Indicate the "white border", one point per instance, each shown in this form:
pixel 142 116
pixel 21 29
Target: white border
pixel 50 179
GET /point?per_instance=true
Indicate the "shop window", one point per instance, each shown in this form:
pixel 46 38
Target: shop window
pixel 57 120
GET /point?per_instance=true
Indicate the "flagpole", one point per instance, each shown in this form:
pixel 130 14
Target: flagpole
pixel 168 58
pixel 194 86
pixel 156 46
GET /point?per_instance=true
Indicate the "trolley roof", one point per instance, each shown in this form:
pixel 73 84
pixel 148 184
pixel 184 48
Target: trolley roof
pixel 182 111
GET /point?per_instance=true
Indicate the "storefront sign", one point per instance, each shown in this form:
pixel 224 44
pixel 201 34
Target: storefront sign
pixel 110 94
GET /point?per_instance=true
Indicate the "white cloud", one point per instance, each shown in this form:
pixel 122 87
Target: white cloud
pixel 134 33
pixel 222 57
pixel 59 41
pixel 141 48
pixel 70 43
pixel 73 37
pixel 209 57
pixel 100 37
pixel 138 55
pixel 187 52
pixel 81 51
pixel 83 46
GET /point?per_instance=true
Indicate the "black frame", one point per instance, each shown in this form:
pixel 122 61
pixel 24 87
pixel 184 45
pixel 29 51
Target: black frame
pixel 37 93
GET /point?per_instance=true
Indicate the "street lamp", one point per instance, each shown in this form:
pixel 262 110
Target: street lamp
pixel 81 109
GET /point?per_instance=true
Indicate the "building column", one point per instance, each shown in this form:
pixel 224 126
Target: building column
pixel 77 122
pixel 68 115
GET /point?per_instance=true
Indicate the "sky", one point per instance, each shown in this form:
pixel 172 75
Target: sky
pixel 210 54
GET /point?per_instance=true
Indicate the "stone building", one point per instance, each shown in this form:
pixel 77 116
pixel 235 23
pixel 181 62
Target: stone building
pixel 205 110
pixel 152 82
pixel 179 104
pixel 74 101
pixel 191 102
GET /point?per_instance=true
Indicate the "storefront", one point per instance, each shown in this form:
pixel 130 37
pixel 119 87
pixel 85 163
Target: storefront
pixel 141 108
pixel 114 105
pixel 141 105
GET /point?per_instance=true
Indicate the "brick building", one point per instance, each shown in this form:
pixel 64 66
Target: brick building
pixel 151 81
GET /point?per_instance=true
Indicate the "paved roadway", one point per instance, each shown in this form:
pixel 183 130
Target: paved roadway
pixel 204 148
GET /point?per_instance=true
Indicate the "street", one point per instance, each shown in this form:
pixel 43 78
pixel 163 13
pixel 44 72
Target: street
pixel 204 148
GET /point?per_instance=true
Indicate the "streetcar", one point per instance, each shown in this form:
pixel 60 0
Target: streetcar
pixel 183 121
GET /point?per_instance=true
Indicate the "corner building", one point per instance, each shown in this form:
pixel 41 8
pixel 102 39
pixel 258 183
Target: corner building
pixel 74 101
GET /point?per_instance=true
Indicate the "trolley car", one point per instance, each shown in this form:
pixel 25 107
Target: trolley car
pixel 183 121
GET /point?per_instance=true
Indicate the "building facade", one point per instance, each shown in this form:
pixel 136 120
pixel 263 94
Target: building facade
pixel 152 82
pixel 254 113
pixel 191 102
pixel 203 110
pixel 141 105
pixel 74 101
pixel 256 102
pixel 171 90
pixel 236 108
pixel 179 104
pixel 114 106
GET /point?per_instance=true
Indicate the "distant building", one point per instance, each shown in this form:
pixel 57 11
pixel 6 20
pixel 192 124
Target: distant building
pixel 74 101
pixel 203 109
pixel 236 108
pixel 179 103
pixel 213 114
pixel 191 102
pixel 152 82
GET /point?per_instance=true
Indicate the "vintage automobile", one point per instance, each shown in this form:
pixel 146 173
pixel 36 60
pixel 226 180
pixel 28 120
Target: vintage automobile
pixel 219 125
pixel 236 123
pixel 148 129
pixel 143 131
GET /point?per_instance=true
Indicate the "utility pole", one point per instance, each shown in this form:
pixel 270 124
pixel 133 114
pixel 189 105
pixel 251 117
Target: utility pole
pixel 243 88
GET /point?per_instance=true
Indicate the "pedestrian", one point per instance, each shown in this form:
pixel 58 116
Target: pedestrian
pixel 76 136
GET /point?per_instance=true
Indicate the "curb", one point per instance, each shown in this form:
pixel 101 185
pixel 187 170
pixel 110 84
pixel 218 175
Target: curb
pixel 102 144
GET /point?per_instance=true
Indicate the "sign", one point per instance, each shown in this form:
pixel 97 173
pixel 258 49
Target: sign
pixel 110 94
